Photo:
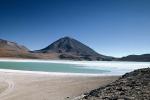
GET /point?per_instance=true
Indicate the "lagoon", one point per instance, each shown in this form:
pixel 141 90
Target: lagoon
pixel 74 67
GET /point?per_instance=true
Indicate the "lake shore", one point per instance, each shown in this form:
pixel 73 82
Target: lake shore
pixel 38 86
pixel 115 67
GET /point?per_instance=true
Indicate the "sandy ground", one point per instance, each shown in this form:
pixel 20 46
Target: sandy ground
pixel 31 86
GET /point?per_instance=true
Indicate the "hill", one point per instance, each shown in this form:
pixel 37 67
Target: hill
pixel 12 49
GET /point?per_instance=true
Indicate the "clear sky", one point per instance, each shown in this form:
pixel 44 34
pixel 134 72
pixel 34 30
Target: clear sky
pixel 110 27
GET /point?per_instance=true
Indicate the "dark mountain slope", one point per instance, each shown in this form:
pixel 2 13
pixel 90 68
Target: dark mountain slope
pixel 69 48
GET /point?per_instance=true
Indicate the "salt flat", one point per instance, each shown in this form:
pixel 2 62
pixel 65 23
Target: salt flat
pixel 34 86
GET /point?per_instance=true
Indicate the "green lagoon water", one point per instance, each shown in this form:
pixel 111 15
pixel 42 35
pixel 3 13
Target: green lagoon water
pixel 48 67
pixel 86 67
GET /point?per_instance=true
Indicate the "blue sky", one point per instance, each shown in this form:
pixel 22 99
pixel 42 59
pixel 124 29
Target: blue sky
pixel 110 27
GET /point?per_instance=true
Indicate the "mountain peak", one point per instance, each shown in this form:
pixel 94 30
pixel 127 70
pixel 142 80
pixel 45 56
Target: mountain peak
pixel 72 48
pixel 66 37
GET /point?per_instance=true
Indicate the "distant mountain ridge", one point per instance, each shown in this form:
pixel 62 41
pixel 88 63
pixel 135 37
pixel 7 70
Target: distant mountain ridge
pixel 64 48
pixel 143 57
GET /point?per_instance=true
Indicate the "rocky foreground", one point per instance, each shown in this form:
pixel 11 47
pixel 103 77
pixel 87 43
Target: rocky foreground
pixel 131 86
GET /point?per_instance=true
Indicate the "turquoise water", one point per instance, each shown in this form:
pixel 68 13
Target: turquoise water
pixel 92 67
pixel 48 67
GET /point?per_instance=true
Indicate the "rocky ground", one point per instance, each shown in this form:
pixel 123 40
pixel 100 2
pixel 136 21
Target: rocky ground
pixel 131 86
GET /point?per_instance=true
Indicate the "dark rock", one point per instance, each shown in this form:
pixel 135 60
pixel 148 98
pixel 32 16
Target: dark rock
pixel 131 86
